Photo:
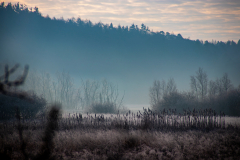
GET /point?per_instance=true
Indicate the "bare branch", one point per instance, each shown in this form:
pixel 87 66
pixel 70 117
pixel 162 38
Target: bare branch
pixel 6 83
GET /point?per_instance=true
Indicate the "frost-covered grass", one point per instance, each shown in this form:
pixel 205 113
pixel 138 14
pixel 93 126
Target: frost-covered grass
pixel 121 136
pixel 122 144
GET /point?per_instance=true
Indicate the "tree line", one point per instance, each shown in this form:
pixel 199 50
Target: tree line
pixel 31 22
pixel 90 96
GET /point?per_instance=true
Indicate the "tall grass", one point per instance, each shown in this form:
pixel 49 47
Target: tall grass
pixel 146 120
pixel 95 143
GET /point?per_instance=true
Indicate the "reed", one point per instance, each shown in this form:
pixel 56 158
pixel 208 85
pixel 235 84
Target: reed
pixel 147 119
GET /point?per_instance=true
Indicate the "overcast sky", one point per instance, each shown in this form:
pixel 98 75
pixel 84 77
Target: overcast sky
pixel 195 19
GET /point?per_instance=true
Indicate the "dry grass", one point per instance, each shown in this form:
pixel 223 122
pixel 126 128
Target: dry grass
pixel 122 144
pixel 117 137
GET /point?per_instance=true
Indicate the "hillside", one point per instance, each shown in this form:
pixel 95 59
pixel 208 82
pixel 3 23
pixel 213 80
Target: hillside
pixel 131 56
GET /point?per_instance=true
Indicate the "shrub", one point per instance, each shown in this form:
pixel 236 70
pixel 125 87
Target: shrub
pixel 177 101
pixel 106 107
pixel 229 103
pixel 12 100
pixel 29 106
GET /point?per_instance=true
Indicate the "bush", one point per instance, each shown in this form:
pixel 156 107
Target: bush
pixel 28 106
pixel 175 100
pixel 229 103
pixel 107 107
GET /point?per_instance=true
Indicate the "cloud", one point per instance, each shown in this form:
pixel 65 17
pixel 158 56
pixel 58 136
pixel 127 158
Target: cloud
pixel 204 18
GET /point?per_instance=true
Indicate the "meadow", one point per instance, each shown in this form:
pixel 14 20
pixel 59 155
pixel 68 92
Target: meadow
pixel 147 134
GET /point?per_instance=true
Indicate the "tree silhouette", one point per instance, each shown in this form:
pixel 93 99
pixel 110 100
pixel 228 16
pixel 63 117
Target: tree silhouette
pixel 199 83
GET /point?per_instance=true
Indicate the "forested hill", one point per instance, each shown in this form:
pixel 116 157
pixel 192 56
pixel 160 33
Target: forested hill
pixel 100 49
pixel 18 21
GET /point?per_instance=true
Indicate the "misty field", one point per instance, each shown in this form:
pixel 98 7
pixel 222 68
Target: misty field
pixel 142 135
pixel 30 128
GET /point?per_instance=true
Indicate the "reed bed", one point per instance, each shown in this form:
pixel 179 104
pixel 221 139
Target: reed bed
pixel 197 134
pixel 147 120
pixel 166 120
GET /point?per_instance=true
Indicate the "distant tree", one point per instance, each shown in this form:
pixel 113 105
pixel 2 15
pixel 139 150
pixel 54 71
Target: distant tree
pixel 155 93
pixel 194 87
pixel 161 89
pixel 148 29
pixel 226 83
pixel 233 43
pixel 126 29
pixel 71 21
pixel 219 86
pixel 111 26
pixel 171 86
pixel 238 42
pixel 198 42
pixel 88 23
pixel 132 28
pixel 179 36
pixel 100 97
pixel 80 22
pixel 143 27
pixel 199 83
pixel 61 90
pixel 119 28
pixel 228 43
pixel 162 32
pixel 2 5
pixel 212 89
pixel 137 28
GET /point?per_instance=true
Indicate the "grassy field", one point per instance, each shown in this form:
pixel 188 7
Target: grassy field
pixel 142 135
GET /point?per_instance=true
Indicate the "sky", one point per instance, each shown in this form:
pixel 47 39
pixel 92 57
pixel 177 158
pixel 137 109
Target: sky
pixel 194 19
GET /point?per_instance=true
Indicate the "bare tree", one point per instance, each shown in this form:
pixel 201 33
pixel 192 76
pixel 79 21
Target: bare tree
pixel 97 95
pixel 66 86
pixel 6 84
pixel 155 93
pixel 89 92
pixel 46 86
pixel 171 86
pixel 61 89
pixel 160 89
pixel 212 91
pixel 222 85
pixel 226 83
pixel 219 86
pixel 199 83
pixel 194 87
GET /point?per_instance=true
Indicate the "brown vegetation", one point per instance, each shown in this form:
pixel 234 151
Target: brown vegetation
pixel 90 143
